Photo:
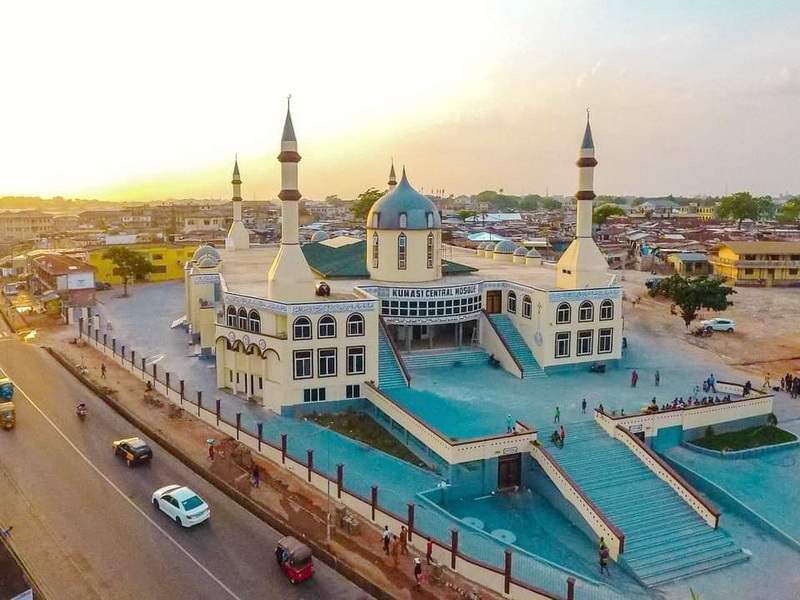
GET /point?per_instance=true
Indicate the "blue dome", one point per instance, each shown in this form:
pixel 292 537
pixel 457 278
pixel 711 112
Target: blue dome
pixel 419 211
pixel 505 247
pixel 319 236
pixel 533 253
pixel 521 251
pixel 206 251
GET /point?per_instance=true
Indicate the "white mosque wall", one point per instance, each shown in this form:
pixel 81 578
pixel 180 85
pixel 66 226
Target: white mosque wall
pixel 416 267
pixel 490 341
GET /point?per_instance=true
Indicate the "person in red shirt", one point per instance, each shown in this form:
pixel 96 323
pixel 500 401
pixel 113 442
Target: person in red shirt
pixel 429 550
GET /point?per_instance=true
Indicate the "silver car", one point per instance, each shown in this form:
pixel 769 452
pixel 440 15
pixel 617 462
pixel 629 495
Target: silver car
pixel 181 504
pixel 718 324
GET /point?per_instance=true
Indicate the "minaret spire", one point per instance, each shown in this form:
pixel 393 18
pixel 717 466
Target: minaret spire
pixel 392 178
pixel 582 264
pixel 290 277
pixel 238 237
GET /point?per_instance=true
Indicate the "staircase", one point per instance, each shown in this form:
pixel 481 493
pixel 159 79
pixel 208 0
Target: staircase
pixel 664 538
pixel 428 359
pixel 390 375
pixel 508 332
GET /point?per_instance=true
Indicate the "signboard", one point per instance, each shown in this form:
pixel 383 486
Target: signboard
pixel 425 293
pixel 593 294
pixel 635 428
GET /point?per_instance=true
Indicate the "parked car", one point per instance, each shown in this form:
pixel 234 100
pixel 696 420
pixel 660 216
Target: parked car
pixel 182 504
pixel 134 450
pixel 102 285
pixel 718 324
pixel 651 284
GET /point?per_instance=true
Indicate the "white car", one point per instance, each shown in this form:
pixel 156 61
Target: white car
pixel 719 324
pixel 182 504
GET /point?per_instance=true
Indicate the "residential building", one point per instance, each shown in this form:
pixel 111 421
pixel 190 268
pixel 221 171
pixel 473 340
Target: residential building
pixel 758 263
pixel 19 225
pixel 689 263
pixel 168 261
pixel 70 278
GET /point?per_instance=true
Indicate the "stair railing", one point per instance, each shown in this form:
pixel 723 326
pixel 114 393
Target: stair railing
pixel 503 341
pixel 395 351
pixel 664 471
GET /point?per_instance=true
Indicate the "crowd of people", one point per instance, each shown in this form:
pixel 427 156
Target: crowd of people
pixel 791 384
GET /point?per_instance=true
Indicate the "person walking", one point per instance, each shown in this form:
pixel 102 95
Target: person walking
pixel 557 416
pixel 102 370
pixel 767 382
pixel 712 383
pixel 256 477
pixel 509 424
pixel 417 573
pixel 403 540
pixel 634 378
pixel 563 433
pixel 210 443
pixel 429 550
pixel 395 550
pixel 604 560
pixel 658 378
pixel 386 536
pixel 583 406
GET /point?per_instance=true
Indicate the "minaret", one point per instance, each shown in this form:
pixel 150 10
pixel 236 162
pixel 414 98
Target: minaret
pixel 392 178
pixel 238 237
pixel 290 278
pixel 583 265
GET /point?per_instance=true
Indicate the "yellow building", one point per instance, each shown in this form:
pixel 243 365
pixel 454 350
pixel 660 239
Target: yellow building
pixel 758 263
pixel 168 261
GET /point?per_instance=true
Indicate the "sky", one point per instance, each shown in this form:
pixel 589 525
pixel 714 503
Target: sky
pixel 152 100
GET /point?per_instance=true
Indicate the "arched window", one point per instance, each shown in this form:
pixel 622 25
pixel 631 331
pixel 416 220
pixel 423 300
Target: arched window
pixel 402 251
pixel 403 220
pixel 355 325
pixel 429 219
pixel 376 219
pixel 512 302
pixel 231 316
pixel 563 313
pixel 255 321
pixel 326 328
pixel 606 310
pixel 375 249
pixel 301 330
pixel 242 318
pixel 526 307
pixel 430 250
pixel 586 311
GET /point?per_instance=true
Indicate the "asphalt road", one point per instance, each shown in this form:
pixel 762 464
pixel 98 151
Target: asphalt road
pixel 84 522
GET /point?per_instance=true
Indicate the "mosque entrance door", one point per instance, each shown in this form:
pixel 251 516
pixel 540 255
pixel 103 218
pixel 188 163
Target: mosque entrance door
pixel 509 471
pixel 494 301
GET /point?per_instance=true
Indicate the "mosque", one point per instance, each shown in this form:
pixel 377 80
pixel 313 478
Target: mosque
pixel 311 326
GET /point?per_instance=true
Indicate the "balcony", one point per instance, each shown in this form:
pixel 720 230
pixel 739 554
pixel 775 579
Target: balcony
pixel 754 264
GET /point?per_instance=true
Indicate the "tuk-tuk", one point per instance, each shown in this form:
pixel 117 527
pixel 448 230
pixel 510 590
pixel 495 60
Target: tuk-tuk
pixel 294 559
pixel 7 418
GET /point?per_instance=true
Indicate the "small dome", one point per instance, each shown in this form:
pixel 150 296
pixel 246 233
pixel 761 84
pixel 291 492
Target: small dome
pixel 206 251
pixel 417 211
pixel 207 261
pixel 505 247
pixel 533 253
pixel 489 247
pixel 521 251
pixel 320 236
pixel 482 245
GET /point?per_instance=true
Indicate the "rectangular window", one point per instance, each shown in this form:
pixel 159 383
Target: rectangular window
pixel 326 362
pixel 749 271
pixel 585 342
pixel 401 252
pixel 314 395
pixel 302 364
pixel 355 360
pixel 158 257
pixel 159 269
pixel 354 391
pixel 605 338
pixel 792 271
pixel 562 344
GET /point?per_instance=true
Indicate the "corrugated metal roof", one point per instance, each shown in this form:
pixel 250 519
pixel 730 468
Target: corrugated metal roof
pixel 763 247
pixel 690 257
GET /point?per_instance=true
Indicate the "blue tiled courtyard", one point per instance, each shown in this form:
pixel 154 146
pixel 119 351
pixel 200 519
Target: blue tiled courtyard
pixel 482 397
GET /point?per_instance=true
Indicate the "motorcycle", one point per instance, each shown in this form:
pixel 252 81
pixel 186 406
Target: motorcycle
pixel 82 411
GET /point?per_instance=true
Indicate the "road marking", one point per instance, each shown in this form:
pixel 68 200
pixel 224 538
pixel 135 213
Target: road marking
pixel 126 498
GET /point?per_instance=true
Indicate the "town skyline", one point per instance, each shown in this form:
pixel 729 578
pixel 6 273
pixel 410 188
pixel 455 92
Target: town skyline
pixel 691 99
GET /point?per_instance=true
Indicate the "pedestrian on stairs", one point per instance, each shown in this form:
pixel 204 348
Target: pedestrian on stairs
pixel 583 406
pixel 658 378
pixel 509 424
pixel 557 416
pixel 634 378
pixel 563 433
pixel 604 560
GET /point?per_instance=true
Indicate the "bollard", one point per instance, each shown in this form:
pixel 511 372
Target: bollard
pixel 80 329
pixel 374 501
pixel 284 443
pixel 219 409
pixel 411 508
pixel 183 389
pixel 310 463
pixel 133 358
pixel 570 588
pixel 339 480
pixel 507 574
pixel 105 339
pixel 155 375
pixel 260 427
pixel 238 424
pixel 167 376
pixel 199 401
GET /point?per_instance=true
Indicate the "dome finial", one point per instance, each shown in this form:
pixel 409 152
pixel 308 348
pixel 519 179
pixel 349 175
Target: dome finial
pixel 588 142
pixel 288 128
pixel 392 177
pixel 403 177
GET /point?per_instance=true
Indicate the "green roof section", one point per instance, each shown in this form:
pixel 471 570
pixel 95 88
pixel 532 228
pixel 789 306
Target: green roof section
pixel 350 261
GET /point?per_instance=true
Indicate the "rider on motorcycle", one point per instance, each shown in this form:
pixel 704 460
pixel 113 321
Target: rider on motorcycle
pixel 82 409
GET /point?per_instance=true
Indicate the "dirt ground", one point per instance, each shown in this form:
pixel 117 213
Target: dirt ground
pixel 767 336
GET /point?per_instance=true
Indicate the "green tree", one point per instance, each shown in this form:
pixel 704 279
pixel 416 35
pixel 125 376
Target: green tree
pixel 790 211
pixel 466 214
pixel 129 264
pixel 529 202
pixel 690 294
pixel 363 203
pixel 550 203
pixel 602 213
pixel 742 205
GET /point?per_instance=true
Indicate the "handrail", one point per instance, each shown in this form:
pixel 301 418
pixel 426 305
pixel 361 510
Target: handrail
pixel 395 351
pixel 674 474
pixel 596 509
pixel 503 341
pixel 628 416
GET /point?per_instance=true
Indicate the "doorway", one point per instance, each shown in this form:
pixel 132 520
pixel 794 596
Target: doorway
pixel 509 471
pixel 494 301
